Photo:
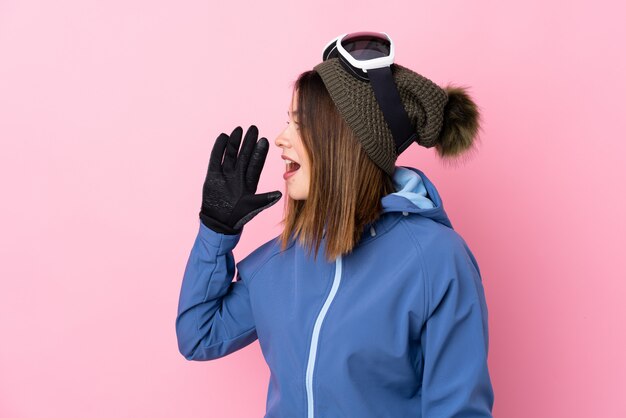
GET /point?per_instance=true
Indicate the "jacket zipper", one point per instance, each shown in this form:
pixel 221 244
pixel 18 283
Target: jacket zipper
pixel 315 337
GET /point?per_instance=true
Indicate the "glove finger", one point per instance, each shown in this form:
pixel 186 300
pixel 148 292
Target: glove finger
pixel 232 148
pixel 257 160
pixel 258 202
pixel 247 149
pixel 215 161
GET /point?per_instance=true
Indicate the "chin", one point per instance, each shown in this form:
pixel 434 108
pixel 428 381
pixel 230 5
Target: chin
pixel 297 196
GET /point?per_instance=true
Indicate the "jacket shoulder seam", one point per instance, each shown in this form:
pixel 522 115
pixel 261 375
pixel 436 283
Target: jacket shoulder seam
pixel 425 285
pixel 262 264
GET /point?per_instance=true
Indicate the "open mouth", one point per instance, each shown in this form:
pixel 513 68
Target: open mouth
pixel 291 166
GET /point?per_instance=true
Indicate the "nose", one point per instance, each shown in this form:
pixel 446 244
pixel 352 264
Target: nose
pixel 281 141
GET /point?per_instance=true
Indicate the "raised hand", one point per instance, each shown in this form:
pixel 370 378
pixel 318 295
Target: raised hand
pixel 228 194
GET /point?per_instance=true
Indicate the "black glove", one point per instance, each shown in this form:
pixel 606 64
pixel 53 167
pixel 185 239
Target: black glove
pixel 228 194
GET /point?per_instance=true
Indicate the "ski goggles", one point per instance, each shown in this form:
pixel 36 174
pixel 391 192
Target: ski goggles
pixel 368 57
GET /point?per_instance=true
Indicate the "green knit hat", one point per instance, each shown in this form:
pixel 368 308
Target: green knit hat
pixel 423 100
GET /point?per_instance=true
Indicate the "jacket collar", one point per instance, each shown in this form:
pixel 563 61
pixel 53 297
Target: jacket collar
pixel 415 195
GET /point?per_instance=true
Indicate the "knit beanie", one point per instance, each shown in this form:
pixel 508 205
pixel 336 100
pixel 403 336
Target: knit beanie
pixel 445 118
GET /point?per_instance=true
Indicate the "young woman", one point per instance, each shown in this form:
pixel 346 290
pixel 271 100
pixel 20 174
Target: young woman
pixel 391 319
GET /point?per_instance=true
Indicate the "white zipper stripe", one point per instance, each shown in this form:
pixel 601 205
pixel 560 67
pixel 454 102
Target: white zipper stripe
pixel 315 337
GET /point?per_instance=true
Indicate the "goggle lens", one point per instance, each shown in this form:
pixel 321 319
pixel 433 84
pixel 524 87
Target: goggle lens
pixel 366 45
pixel 361 46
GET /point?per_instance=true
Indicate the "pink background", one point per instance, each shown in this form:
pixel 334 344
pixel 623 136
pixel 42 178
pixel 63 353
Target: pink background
pixel 108 113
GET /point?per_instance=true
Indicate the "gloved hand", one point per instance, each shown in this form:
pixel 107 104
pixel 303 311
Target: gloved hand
pixel 228 194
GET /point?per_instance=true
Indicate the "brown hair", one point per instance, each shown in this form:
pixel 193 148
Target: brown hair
pixel 345 187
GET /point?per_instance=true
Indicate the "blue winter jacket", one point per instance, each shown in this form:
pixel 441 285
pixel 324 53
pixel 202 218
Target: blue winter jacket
pixel 397 328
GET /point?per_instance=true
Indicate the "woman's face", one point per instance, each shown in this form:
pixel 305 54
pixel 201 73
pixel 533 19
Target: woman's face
pixel 296 175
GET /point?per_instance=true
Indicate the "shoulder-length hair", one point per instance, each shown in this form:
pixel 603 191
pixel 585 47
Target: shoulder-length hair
pixel 345 187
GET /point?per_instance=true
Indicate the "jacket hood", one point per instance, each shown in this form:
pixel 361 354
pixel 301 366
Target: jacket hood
pixel 415 193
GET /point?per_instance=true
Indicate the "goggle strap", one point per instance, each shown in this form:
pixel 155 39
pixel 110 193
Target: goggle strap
pixel 357 73
pixel 386 92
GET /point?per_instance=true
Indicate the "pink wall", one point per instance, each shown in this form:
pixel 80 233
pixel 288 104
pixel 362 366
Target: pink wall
pixel 108 112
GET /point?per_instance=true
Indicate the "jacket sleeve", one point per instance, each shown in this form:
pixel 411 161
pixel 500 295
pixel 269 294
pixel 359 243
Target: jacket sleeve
pixel 455 340
pixel 214 315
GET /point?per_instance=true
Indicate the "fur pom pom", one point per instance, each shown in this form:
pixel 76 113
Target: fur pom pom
pixel 461 123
